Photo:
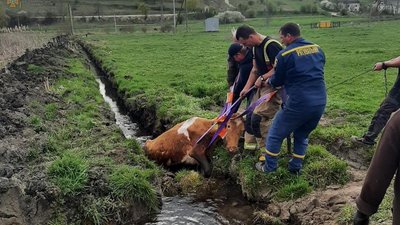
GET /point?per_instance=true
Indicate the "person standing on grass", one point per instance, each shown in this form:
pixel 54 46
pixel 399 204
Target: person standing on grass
pixel 265 50
pixel 385 163
pixel 389 105
pixel 243 56
pixel 300 69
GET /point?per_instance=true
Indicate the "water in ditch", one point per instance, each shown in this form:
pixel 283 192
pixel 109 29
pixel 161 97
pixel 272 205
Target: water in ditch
pixel 223 207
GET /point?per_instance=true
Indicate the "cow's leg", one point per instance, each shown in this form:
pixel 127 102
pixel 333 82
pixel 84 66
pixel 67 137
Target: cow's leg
pixel 199 153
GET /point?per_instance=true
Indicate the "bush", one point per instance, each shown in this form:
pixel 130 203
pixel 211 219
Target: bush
pixel 309 8
pixel 230 17
pixel 204 14
pixel 166 28
pixel 3 20
pixel 250 13
pixel 50 18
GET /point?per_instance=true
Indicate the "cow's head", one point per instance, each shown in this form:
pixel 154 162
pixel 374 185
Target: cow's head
pixel 235 128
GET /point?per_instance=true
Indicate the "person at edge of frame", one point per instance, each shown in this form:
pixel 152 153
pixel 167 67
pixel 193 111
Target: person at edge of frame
pixel 384 165
pixel 389 105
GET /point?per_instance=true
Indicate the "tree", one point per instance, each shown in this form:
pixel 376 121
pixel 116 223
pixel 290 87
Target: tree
pixel 3 17
pixel 192 4
pixel 144 9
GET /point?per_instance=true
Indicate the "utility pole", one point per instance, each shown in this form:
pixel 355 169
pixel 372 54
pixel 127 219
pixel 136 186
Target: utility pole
pixel 173 6
pixel 71 19
pixel 162 13
pixel 115 23
pixel 186 16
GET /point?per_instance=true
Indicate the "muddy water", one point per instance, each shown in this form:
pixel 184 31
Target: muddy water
pixel 224 207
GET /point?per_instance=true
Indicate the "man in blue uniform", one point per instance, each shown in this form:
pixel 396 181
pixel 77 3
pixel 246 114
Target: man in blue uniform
pixel 300 69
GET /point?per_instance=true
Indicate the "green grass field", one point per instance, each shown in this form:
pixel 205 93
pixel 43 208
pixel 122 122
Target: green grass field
pixel 188 69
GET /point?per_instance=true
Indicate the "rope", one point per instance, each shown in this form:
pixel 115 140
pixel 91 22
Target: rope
pixel 351 78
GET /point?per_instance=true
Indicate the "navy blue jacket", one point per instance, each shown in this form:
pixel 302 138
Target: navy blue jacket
pixel 300 69
pixel 245 67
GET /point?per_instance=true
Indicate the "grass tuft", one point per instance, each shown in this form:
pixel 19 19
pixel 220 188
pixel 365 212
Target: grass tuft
pixel 189 180
pixel 69 173
pixel 129 183
pixel 322 168
pixel 346 215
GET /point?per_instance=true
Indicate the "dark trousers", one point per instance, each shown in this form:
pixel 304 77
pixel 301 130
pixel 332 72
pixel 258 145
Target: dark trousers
pixel 382 115
pixel 389 105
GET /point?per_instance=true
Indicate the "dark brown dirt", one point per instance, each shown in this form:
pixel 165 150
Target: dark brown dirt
pixel 27 197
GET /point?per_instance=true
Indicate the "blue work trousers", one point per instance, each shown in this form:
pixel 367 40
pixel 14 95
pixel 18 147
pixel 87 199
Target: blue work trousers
pixel 297 120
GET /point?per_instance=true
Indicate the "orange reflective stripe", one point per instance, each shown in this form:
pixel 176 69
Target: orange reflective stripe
pixel 222 134
pixel 229 97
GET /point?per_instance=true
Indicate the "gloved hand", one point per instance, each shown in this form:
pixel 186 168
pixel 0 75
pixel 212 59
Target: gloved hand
pixel 360 218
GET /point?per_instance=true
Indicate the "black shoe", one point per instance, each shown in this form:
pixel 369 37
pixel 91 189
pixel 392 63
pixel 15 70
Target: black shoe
pixel 362 140
pixel 295 172
pixel 360 219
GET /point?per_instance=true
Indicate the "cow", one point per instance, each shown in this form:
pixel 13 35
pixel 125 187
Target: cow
pixel 177 146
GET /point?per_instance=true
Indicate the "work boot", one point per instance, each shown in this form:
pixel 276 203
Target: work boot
pixel 260 142
pixel 295 172
pixel 260 166
pixel 362 140
pixel 250 146
pixel 360 218
pixel 250 142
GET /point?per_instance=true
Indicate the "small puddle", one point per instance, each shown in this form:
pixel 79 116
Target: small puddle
pixel 226 207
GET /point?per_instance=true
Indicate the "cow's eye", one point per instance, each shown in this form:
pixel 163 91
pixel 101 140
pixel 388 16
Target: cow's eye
pixel 229 126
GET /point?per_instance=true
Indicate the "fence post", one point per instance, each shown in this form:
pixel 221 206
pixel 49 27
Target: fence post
pixel 71 19
pixel 115 23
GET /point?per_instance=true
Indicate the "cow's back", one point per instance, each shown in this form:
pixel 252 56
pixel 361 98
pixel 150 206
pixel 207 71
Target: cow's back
pixel 173 146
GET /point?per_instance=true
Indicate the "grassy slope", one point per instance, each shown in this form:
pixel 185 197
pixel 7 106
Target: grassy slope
pixel 81 142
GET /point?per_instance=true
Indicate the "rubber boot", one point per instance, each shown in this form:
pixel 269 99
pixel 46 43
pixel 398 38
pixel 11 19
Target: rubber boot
pixel 360 218
pixel 250 142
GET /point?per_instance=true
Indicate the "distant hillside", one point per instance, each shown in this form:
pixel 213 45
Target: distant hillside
pixel 250 8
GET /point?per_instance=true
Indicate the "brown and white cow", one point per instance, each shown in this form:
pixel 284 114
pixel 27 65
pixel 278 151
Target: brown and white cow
pixel 177 146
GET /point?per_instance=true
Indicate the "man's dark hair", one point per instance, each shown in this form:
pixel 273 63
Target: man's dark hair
pixel 244 32
pixel 290 28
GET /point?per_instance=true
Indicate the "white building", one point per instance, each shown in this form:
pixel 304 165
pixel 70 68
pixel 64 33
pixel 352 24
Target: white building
pixel 391 6
pixel 350 5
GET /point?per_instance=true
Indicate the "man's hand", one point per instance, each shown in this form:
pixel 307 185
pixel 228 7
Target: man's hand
pixel 260 82
pixel 378 66
pixel 244 92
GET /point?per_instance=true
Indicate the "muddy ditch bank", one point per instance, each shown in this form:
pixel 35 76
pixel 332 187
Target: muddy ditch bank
pixel 139 109
pixel 27 194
